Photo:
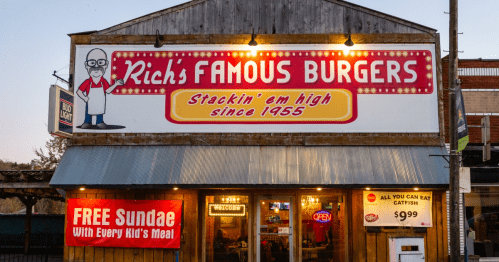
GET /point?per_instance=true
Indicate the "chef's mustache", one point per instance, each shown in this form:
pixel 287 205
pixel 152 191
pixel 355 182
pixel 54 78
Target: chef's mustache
pixel 96 68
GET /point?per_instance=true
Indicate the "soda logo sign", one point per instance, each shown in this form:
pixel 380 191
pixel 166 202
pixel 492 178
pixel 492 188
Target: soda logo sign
pixel 322 216
pixel 371 217
pixel 371 197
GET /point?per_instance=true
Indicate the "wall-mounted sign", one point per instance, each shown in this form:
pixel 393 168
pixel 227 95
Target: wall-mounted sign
pixel 464 180
pixel 124 223
pixel 283 230
pixel 61 109
pixel 322 216
pixel 408 209
pixel 278 88
pixel 226 210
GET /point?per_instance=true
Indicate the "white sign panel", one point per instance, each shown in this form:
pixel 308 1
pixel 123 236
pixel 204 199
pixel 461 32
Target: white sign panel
pixel 405 209
pixel 283 230
pixel 275 88
pixel 464 180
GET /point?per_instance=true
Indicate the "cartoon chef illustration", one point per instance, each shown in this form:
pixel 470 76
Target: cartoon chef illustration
pixel 94 90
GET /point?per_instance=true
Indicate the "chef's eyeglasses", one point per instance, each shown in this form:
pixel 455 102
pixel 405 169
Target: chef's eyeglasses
pixel 93 62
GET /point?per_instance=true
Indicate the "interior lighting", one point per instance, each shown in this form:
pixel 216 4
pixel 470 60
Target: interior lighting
pixel 263 203
pixel 276 210
pixel 319 189
pixel 158 43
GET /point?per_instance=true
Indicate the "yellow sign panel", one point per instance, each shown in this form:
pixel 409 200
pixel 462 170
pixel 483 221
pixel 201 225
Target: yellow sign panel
pixel 269 106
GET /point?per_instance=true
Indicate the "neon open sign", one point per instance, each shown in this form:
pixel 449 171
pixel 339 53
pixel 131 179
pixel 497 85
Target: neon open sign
pixel 322 216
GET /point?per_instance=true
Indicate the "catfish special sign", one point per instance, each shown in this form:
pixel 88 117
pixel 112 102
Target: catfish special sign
pixel 411 209
pixel 317 88
pixel 124 223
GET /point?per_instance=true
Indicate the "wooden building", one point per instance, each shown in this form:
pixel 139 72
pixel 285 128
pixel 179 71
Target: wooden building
pixel 479 78
pixel 305 176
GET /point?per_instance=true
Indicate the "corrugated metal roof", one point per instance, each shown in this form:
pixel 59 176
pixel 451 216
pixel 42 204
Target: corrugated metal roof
pixel 227 166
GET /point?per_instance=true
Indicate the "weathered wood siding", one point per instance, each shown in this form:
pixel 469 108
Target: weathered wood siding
pixel 263 139
pixel 187 252
pixel 375 246
pixel 265 17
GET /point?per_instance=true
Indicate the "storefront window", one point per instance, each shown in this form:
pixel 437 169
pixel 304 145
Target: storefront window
pixel 324 228
pixel 482 214
pixel 226 228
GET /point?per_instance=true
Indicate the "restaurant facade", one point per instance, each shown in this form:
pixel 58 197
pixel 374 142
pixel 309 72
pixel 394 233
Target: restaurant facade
pixel 256 131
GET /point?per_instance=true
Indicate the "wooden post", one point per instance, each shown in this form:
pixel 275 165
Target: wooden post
pixel 28 202
pixel 454 162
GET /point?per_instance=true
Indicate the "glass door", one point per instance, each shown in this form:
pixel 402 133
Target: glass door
pixel 274 229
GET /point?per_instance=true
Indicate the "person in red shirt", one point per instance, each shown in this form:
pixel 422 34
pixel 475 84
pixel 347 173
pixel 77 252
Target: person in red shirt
pixel 93 90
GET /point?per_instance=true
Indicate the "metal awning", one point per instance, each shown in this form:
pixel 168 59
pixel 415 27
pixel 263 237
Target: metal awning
pixel 250 166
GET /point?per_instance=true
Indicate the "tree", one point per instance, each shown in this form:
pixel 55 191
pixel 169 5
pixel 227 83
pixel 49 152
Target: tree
pixel 7 165
pixel 12 205
pixel 55 149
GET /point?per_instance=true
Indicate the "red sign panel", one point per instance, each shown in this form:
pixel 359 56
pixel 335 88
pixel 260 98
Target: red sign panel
pixel 124 223
pixel 270 86
pixel 153 72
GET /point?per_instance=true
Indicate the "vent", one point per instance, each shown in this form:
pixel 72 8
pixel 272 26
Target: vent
pixel 478 71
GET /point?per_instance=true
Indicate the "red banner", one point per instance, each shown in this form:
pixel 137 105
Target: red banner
pixel 124 223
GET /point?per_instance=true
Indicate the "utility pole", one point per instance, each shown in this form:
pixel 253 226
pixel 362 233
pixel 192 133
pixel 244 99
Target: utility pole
pixel 454 162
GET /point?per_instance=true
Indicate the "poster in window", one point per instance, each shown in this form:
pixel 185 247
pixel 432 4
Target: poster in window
pixel 227 222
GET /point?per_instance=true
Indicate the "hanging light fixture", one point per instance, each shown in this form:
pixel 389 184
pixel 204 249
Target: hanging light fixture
pixel 349 41
pixel 252 42
pixel 348 44
pixel 158 44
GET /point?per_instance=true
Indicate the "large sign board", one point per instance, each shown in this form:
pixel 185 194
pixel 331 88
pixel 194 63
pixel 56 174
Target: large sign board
pixel 124 223
pixel 276 88
pixel 61 112
pixel 404 209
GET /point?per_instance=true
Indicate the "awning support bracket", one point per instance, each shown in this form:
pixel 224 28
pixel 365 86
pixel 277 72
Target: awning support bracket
pixel 446 157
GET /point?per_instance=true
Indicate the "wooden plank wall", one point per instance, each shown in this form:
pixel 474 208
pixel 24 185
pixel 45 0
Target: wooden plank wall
pixel 266 17
pixel 375 247
pixel 187 252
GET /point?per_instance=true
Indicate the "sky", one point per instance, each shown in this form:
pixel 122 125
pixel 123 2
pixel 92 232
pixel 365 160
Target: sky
pixel 34 43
